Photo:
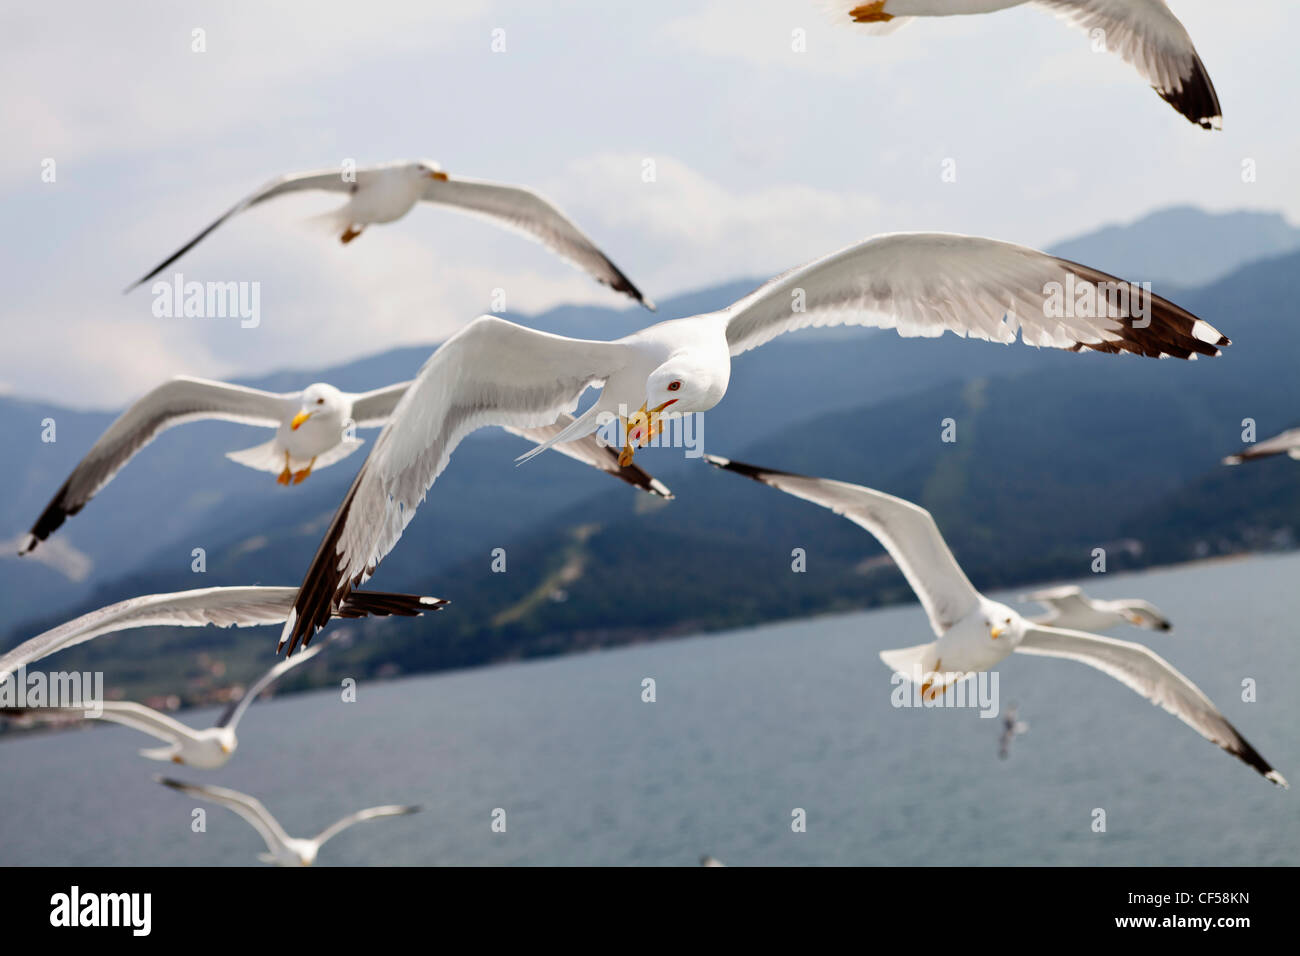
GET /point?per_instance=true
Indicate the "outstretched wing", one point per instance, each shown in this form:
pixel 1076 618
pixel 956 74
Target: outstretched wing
pixel 128 714
pixel 907 531
pixel 925 284
pixel 1287 443
pixel 492 372
pixel 334 829
pixel 250 808
pixel 1142 670
pixel 236 710
pixel 1148 35
pixel 223 607
pixel 331 179
pixel 525 212
pixel 180 400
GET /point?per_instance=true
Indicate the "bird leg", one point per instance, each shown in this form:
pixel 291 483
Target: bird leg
pixel 871 13
pixel 350 233
pixel 284 477
pixel 300 476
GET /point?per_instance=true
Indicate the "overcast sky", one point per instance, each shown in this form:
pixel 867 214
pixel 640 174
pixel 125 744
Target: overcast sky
pixel 764 157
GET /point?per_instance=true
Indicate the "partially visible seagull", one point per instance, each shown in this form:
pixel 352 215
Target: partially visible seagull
pixel 707 860
pixel 223 606
pixel 1012 727
pixel 494 372
pixel 284 850
pixel 388 191
pixel 314 429
pixel 1144 32
pixel 1069 607
pixel 974 633
pixel 1287 443
pixel 207 749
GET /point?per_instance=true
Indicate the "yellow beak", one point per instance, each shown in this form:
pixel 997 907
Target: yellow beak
pixel 225 748
pixel 997 632
pixel 438 174
pixel 299 419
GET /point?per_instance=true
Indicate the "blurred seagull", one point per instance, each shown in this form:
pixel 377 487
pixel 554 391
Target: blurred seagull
pixel 1144 32
pixel 975 634
pixel 284 850
pixel 387 192
pixel 206 749
pixel 1069 607
pixel 1011 729
pixel 493 372
pixel 314 429
pixel 224 607
pixel 1287 443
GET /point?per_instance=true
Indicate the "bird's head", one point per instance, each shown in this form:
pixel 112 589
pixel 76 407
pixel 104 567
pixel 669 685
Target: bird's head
pixel 678 387
pixel 1002 623
pixel 226 741
pixel 320 402
pixel 427 169
pixel 1142 614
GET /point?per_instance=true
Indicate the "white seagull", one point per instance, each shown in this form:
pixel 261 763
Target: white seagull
pixel 222 606
pixel 1287 443
pixel 283 850
pixel 314 428
pixel 207 749
pixel 974 633
pixel 1144 32
pixel 1012 727
pixel 1069 607
pixel 493 372
pixel 388 191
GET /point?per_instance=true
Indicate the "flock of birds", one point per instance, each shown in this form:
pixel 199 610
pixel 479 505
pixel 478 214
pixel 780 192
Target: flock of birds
pixel 496 373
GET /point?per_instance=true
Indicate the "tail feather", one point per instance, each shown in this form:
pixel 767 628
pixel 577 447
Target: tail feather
pixel 911 662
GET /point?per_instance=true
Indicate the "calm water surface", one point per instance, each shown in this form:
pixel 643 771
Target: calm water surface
pixel 747 726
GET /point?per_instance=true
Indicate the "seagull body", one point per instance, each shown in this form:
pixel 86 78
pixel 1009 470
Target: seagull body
pixel 1287 443
pixel 974 633
pixel 1069 607
pixel 387 192
pixel 1145 33
pixel 314 428
pixel 494 372
pixel 221 606
pixel 283 850
pixel 1012 727
pixel 208 749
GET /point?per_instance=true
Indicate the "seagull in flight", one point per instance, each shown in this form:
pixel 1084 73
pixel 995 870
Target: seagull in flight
pixel 207 749
pixel 1144 33
pixel 974 633
pixel 282 849
pixel 387 192
pixel 314 428
pixel 494 372
pixel 1068 607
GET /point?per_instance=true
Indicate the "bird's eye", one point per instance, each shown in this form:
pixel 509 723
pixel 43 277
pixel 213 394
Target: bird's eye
pixel 674 386
pixel 1008 621
pixel 320 401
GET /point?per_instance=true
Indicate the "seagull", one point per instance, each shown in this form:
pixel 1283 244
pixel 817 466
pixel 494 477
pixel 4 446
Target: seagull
pixel 495 372
pixel 976 634
pixel 314 428
pixel 388 191
pixel 207 749
pixel 1144 32
pixel 1287 443
pixel 707 860
pixel 222 606
pixel 1069 607
pixel 1011 729
pixel 284 850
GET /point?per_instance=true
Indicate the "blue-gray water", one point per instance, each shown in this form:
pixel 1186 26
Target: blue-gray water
pixel 747 726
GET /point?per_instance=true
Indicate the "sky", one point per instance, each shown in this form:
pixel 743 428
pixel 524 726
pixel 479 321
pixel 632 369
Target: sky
pixel 763 156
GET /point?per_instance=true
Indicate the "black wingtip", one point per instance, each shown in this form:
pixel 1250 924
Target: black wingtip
pixel 749 471
pixel 1196 100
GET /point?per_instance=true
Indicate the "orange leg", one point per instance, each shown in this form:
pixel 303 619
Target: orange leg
pixel 871 13
pixel 300 476
pixel 349 234
pixel 285 476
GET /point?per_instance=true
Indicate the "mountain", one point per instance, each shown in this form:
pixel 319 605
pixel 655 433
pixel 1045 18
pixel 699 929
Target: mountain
pixel 1055 454
pixel 1183 245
